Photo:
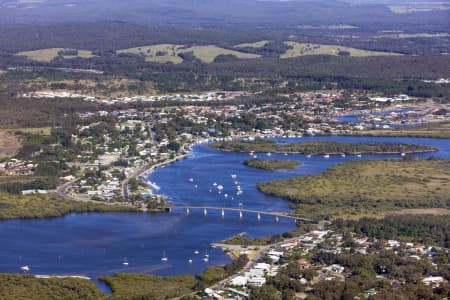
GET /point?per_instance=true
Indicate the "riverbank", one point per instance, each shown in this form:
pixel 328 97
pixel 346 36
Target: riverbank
pixel 47 206
pixel 365 188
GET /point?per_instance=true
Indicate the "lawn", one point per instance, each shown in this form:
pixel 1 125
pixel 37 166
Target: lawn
pixel 302 49
pixel 170 53
pixel 47 55
pixel 258 44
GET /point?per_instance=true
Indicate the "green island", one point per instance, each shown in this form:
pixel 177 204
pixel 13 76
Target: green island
pixel 46 206
pixel 271 164
pixel 123 285
pixel 320 147
pixel 367 188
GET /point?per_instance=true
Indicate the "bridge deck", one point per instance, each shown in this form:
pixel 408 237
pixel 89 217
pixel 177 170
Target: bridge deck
pixel 267 213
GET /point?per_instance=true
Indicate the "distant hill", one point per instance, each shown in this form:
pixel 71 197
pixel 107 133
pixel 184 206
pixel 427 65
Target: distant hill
pixel 216 13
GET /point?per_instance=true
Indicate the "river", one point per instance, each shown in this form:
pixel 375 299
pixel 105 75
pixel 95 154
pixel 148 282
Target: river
pixel 93 244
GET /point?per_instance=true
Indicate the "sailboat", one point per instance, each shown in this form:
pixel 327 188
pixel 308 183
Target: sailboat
pixel 206 258
pixel 164 258
pixel 25 268
pixel 125 262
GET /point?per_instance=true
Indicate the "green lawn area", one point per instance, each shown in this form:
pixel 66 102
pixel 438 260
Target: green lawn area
pixel 364 188
pixel 170 53
pixel 47 55
pixel 258 44
pixel 301 49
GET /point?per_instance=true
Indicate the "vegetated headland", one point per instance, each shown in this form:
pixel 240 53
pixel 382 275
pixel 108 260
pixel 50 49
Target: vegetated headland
pixel 45 206
pixel 320 147
pixel 367 188
pixel 271 164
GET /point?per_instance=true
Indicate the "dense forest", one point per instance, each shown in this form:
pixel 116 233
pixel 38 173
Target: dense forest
pixel 426 229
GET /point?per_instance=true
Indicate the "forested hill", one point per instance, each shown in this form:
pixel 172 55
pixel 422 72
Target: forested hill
pixel 216 13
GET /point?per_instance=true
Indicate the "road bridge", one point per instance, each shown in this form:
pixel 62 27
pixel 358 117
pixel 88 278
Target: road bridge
pixel 188 209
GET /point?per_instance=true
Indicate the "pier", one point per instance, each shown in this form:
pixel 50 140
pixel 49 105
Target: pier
pixel 223 210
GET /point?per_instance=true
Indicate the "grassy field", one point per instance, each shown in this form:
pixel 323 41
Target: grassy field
pixel 9 144
pixel 45 206
pixel 45 131
pixel 47 55
pixel 258 44
pixel 301 49
pixel 271 164
pixel 441 131
pixel 364 188
pixel 169 53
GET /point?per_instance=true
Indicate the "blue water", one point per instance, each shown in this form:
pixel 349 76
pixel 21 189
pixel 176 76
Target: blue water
pixel 95 244
pixel 355 118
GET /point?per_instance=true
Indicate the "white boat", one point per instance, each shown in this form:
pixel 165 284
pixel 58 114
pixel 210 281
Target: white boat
pixel 164 258
pixel 25 268
pixel 125 262
pixel 191 179
pixel 285 154
pixel 359 155
pixel 269 154
pixel 214 184
pixel 190 261
pixel 233 176
pixel 402 154
pixel 326 156
pixel 206 257
pixel 196 252
pixel 343 155
pixel 308 156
